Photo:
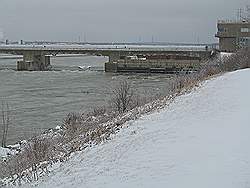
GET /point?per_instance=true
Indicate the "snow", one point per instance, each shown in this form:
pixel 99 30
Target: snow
pixel 224 55
pixel 200 140
pixel 11 150
pixel 4 152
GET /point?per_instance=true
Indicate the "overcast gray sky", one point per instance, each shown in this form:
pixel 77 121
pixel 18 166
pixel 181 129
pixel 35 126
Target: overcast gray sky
pixel 115 20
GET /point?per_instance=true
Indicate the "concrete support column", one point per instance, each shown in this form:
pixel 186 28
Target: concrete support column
pixel 111 67
pixel 114 56
pixel 34 61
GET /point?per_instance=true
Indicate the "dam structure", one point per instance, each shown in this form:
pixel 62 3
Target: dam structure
pixel 121 59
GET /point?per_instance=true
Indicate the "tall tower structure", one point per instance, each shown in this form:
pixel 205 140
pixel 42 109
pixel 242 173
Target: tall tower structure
pixel 248 13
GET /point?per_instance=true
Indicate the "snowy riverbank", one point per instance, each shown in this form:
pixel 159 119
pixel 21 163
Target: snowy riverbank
pixel 200 140
pixel 4 152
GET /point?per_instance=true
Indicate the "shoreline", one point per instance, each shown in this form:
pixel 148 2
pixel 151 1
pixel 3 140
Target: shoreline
pixel 101 127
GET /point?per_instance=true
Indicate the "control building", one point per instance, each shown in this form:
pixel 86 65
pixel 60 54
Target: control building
pixel 233 35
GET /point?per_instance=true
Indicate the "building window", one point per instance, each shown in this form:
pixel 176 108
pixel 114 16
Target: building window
pixel 244 42
pixel 245 30
pixel 220 29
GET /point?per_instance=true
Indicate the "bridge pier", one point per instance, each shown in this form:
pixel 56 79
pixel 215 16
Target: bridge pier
pixel 161 62
pixel 111 65
pixel 114 57
pixel 34 61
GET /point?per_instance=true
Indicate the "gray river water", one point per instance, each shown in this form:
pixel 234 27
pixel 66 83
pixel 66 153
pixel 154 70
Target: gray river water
pixel 40 100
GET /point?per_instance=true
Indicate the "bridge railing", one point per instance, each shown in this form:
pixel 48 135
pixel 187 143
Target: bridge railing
pixel 117 48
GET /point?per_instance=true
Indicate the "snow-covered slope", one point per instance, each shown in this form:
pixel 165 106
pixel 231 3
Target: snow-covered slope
pixel 200 140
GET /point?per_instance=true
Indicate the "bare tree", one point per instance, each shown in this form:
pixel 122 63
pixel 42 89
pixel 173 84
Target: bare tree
pixel 5 122
pixel 122 96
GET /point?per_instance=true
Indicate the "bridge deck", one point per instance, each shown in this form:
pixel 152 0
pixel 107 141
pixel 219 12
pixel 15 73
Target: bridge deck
pixel 51 50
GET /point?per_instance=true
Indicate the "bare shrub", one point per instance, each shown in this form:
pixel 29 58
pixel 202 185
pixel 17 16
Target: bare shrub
pixel 36 152
pixel 239 60
pixel 71 124
pixel 99 111
pixel 5 122
pixel 28 164
pixel 122 96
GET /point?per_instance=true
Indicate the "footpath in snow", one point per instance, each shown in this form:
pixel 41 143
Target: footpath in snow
pixel 200 140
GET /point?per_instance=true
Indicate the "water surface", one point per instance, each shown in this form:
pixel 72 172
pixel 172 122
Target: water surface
pixel 40 100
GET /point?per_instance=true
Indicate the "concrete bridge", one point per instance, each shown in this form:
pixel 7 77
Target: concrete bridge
pixel 37 58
